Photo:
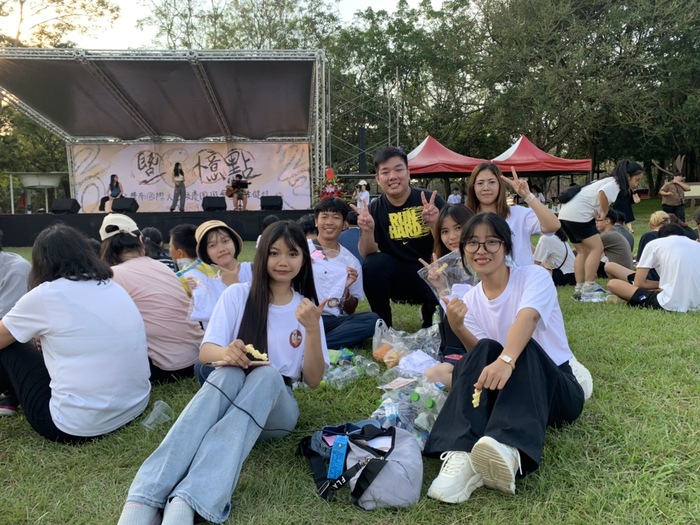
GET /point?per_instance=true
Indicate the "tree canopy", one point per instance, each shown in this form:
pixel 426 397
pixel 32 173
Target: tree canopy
pixel 610 79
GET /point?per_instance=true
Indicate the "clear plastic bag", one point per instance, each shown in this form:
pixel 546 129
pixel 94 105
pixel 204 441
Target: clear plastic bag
pixel 442 275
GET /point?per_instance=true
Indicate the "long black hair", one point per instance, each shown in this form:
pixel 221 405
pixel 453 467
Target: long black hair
pixel 253 328
pixel 458 213
pixel 61 251
pixel 623 171
pixel 113 182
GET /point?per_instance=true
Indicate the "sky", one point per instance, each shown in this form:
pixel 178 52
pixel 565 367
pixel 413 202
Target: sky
pixel 124 34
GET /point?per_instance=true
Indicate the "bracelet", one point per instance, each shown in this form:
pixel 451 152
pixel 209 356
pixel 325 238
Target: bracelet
pixel 529 198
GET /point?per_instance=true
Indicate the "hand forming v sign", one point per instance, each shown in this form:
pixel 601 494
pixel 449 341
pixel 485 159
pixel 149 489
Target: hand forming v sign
pixel 519 185
pixel 364 219
pixel 430 211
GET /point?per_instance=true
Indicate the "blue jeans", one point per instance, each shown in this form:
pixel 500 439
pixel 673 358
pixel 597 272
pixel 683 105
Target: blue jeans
pixel 345 331
pixel 201 457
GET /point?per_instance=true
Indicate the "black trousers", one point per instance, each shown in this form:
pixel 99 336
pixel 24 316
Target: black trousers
pixel 537 395
pixel 24 374
pixel 386 278
pixel 678 211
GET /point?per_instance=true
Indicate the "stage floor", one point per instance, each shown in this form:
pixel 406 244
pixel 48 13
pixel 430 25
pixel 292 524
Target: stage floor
pixel 21 230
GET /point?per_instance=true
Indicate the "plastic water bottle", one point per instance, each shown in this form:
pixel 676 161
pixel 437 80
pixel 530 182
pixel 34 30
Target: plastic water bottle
pixel 437 315
pixel 399 414
pixel 369 367
pixel 342 376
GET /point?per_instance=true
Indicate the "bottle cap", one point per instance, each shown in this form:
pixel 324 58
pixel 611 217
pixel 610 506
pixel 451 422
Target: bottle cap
pixel 415 396
pixel 429 403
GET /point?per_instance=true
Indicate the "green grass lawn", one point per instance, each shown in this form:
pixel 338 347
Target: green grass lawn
pixel 632 458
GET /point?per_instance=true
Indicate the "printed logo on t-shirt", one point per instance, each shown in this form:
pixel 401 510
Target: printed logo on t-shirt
pixel 407 224
pixel 295 338
pixel 333 302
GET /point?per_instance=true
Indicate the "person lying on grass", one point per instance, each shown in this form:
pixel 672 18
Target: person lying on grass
pixel 196 467
pixel 514 381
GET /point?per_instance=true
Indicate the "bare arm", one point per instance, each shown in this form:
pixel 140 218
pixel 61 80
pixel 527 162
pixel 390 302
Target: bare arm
pixel 6 338
pixel 456 310
pixel 314 365
pixel 641 280
pixel 549 223
pixel 366 245
pixel 497 374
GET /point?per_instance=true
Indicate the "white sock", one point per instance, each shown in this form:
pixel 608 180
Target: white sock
pixel 138 514
pixel 177 512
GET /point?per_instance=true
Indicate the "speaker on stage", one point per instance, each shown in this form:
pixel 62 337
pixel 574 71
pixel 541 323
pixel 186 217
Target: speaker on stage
pixel 214 204
pixel 125 204
pixel 65 205
pixel 271 202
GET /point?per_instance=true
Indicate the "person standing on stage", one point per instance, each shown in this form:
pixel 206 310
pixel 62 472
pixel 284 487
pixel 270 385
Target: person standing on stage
pixel 239 192
pixel 179 187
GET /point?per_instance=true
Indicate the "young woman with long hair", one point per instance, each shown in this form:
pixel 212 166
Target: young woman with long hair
pixel 196 467
pixel 514 381
pixel 486 192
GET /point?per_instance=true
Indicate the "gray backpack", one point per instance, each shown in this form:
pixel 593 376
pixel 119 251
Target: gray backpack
pixel 388 474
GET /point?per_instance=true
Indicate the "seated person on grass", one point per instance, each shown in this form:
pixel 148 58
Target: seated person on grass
pixel 91 375
pixel 615 247
pixel 334 265
pixel 554 253
pixel 173 340
pixel 678 288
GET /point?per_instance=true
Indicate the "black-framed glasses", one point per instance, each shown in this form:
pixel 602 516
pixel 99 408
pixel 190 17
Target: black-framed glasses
pixel 491 246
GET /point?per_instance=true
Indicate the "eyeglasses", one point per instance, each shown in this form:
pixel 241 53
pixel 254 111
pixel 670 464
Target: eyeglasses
pixel 491 246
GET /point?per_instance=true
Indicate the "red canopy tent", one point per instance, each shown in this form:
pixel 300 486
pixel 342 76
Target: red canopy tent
pixel 432 158
pixel 524 156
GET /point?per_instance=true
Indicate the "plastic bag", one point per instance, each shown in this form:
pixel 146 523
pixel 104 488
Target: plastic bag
pixel 442 275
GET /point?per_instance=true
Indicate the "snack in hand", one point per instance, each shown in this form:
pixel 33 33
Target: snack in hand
pixel 476 397
pixel 441 269
pixel 253 354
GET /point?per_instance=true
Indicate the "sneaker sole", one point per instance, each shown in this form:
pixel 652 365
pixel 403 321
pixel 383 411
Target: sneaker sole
pixel 495 471
pixel 4 411
pixel 474 483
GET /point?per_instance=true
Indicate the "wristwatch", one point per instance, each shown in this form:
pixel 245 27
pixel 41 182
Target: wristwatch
pixel 507 359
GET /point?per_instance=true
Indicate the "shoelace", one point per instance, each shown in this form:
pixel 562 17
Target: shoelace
pixel 453 462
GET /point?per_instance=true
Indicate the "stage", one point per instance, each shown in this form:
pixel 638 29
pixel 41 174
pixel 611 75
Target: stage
pixel 21 230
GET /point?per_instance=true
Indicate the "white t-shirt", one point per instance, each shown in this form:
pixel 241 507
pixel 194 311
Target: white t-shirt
pixel 675 260
pixel 226 319
pixel 454 199
pixel 330 276
pixel 362 196
pixel 553 252
pixel 585 206
pixel 173 340
pixel 523 223
pixel 94 345
pixel 14 272
pixel 528 287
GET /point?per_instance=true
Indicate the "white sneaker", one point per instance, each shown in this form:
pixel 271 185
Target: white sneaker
pixel 457 479
pixel 592 288
pixel 497 463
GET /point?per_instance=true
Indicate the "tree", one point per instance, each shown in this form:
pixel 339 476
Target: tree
pixel 41 23
pixel 242 24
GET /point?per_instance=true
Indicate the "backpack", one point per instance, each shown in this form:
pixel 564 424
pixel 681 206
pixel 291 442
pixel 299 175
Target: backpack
pixel 382 466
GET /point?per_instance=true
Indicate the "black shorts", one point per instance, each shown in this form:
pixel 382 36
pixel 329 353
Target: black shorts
pixel 562 279
pixel 645 299
pixel 578 231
